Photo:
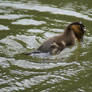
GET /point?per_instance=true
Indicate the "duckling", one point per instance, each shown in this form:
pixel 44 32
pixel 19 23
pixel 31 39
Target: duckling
pixel 54 45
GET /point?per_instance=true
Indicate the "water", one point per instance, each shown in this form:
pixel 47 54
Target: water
pixel 24 25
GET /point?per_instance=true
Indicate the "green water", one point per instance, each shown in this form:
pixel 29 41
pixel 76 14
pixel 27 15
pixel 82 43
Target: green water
pixel 24 25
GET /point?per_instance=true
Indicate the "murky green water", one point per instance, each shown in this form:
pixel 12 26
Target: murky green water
pixel 24 25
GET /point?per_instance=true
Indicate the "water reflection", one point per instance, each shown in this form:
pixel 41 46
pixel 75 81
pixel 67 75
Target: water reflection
pixel 28 22
pixel 12 16
pixel 41 8
pixel 2 27
pixel 24 26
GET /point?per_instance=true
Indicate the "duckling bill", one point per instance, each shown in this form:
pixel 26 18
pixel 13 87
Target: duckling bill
pixel 56 44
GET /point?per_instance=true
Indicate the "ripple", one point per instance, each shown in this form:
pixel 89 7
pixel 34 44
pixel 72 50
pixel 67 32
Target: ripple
pixel 2 27
pixel 32 81
pixel 50 34
pixel 4 63
pixel 10 46
pixel 32 65
pixel 12 16
pixel 3 11
pixel 57 30
pixel 28 22
pixel 29 40
pixel 46 9
pixel 35 31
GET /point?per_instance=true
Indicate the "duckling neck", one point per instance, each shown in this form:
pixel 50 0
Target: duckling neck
pixel 69 37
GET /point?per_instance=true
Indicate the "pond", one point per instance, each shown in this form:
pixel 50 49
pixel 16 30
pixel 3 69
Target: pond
pixel 24 25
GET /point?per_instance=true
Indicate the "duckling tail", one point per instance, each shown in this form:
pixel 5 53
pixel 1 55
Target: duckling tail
pixel 34 52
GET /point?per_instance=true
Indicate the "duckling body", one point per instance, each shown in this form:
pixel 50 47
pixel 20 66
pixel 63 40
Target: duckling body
pixel 56 44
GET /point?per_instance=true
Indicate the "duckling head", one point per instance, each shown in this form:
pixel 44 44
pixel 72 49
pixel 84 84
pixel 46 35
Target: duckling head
pixel 78 29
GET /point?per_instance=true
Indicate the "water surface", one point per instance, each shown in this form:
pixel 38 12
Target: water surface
pixel 24 25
